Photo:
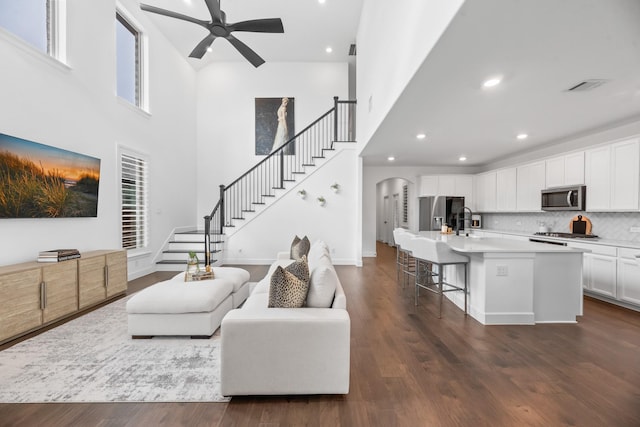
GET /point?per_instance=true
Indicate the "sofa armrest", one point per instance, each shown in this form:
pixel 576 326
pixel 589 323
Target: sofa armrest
pixel 285 351
pixel 283 255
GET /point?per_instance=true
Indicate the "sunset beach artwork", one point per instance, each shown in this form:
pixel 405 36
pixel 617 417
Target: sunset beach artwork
pixel 40 181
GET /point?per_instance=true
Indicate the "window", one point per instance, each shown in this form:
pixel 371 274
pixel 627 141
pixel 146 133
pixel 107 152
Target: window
pixel 34 21
pixel 133 174
pixel 128 60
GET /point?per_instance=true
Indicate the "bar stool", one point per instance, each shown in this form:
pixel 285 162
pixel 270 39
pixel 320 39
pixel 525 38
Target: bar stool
pixel 400 253
pixel 408 264
pixel 436 253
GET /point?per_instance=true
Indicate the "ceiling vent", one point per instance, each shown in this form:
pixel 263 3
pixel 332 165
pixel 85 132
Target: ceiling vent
pixel 587 85
pixel 352 50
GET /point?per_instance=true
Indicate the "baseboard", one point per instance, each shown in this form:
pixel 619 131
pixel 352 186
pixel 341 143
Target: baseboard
pixel 372 254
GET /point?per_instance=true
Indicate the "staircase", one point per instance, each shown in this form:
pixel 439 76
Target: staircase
pixel 261 185
pixel 174 256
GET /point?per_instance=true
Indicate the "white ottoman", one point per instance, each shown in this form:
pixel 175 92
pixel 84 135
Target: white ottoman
pixel 174 307
pixel 237 276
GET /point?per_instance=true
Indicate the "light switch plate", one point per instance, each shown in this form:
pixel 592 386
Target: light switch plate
pixel 502 270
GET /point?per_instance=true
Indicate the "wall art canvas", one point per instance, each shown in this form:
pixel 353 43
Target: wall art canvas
pixel 275 124
pixel 40 181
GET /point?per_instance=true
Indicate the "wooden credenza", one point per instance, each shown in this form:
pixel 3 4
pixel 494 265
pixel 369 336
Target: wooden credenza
pixel 36 294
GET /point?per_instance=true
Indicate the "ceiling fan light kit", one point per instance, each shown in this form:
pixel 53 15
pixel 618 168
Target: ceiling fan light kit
pixel 219 28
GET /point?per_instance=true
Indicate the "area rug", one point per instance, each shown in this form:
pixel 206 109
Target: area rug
pixel 93 359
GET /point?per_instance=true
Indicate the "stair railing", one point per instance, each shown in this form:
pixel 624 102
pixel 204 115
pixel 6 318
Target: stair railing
pixel 259 183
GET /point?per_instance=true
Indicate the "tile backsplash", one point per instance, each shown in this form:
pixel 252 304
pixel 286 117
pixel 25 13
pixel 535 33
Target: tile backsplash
pixel 607 225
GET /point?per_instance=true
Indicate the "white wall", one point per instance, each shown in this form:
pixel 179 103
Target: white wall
pixel 75 108
pixel 388 188
pixel 393 41
pixel 226 114
pixel 273 229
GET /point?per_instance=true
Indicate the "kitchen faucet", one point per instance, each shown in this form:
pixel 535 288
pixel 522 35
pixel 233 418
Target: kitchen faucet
pixel 458 218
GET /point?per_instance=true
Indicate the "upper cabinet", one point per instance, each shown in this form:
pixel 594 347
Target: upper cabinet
pixel 448 185
pixel 529 182
pixel 612 176
pixel 506 188
pixel 485 192
pixel 565 170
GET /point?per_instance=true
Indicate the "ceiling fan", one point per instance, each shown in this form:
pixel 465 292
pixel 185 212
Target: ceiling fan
pixel 218 27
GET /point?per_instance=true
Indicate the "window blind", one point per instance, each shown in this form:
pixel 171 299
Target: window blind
pixel 134 202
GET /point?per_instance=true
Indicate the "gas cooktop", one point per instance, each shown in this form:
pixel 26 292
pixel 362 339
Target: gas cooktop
pixel 565 235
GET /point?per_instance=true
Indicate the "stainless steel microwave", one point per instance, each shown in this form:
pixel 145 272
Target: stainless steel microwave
pixel 572 198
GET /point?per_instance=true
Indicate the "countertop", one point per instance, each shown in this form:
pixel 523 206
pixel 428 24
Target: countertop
pixel 593 241
pixel 475 244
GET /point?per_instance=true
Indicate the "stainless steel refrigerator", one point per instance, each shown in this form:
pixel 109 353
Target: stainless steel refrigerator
pixel 438 210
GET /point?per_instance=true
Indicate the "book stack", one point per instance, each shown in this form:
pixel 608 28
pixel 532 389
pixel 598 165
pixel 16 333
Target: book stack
pixel 57 255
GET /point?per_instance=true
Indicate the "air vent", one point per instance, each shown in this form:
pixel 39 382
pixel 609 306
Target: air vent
pixel 587 85
pixel 352 50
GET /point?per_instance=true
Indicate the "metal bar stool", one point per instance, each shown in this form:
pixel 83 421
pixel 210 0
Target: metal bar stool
pixel 408 264
pixel 401 254
pixel 429 253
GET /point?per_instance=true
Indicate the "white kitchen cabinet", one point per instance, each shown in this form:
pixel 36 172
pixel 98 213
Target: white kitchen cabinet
pixel 598 268
pixel 564 170
pixel 574 168
pixel 506 190
pixel 529 182
pixel 447 185
pixel 628 279
pixel 612 176
pixel 602 274
pixel 597 175
pixel 485 192
pixel 428 185
pixel 625 171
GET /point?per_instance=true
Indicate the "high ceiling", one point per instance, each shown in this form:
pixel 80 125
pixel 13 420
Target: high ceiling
pixel 310 27
pixel 540 49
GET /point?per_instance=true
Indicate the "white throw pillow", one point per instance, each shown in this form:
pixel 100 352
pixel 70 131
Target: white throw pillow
pixel 318 249
pixel 322 286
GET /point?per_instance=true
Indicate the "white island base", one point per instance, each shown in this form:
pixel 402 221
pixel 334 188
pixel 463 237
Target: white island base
pixel 517 283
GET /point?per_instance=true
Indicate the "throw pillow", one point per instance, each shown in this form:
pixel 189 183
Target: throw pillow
pixel 322 286
pixel 286 290
pixel 299 247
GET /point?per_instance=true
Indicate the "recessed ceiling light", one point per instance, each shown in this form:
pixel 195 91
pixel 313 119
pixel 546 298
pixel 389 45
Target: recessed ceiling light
pixel 494 81
pixel 421 136
pixel 329 49
pixel 462 158
pixel 391 158
pixel 522 136
pixel 321 1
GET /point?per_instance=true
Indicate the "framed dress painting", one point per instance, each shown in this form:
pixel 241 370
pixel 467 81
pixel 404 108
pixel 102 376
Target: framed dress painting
pixel 275 125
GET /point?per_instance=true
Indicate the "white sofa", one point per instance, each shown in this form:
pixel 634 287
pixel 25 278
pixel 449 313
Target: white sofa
pixel 283 351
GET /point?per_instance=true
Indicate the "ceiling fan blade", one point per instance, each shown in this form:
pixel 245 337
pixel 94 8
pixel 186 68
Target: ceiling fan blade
pixel 270 25
pixel 171 14
pixel 201 48
pixel 246 51
pixel 214 10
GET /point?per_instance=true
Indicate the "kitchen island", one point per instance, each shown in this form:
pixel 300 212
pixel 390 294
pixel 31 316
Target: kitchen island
pixel 516 282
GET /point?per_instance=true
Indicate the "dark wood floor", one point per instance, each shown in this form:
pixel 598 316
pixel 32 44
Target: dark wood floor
pixel 409 368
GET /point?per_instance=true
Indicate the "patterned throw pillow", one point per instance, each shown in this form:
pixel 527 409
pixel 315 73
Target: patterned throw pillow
pixel 289 286
pixel 299 247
